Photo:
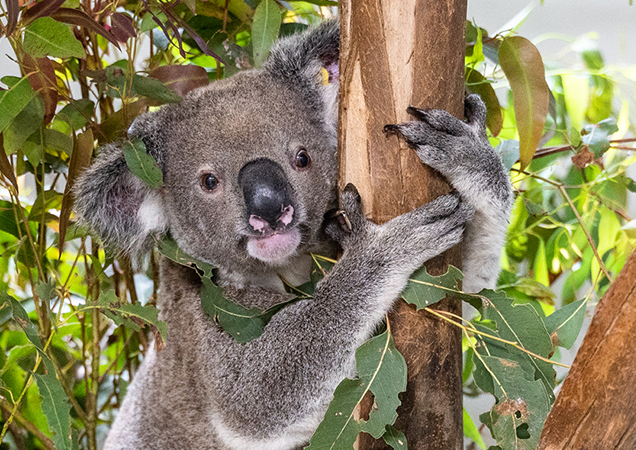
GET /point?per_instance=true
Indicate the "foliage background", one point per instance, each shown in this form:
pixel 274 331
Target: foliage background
pixel 89 314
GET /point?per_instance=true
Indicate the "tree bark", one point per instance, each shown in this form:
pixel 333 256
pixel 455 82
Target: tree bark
pixel 396 53
pixel 595 407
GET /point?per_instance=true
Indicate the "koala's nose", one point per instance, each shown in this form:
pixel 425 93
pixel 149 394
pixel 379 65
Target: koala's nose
pixel 266 191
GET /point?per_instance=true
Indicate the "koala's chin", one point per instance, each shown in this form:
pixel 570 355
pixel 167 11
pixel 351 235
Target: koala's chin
pixel 275 249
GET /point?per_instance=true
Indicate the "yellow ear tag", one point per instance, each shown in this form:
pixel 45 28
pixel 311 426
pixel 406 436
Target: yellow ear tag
pixel 324 75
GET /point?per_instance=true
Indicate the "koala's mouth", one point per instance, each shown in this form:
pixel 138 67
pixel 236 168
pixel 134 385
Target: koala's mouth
pixel 275 247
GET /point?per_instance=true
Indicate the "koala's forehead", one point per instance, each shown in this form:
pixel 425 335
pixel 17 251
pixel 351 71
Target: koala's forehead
pixel 244 114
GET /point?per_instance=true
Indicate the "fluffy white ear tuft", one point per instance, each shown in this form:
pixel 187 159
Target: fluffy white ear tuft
pixel 151 214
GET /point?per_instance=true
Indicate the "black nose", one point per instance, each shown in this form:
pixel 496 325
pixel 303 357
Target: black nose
pixel 266 193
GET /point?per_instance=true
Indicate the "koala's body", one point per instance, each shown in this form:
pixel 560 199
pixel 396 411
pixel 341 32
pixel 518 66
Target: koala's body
pixel 250 172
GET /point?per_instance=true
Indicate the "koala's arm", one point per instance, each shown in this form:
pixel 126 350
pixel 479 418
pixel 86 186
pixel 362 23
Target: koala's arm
pixel 279 385
pixel 461 152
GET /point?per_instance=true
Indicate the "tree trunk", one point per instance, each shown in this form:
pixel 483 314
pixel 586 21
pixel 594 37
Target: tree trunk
pixel 595 407
pixel 396 53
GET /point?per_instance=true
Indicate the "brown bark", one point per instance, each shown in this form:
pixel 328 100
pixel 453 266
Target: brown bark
pixel 595 407
pixel 396 53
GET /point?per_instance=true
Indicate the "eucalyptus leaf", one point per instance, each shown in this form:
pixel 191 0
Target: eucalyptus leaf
pixel 56 409
pixel 523 66
pixel 241 323
pixel 424 289
pixel 154 89
pixel 395 438
pixel 27 122
pixel 14 99
pixel 46 36
pixel 382 370
pixel 596 136
pixel 564 325
pixel 265 30
pixel 141 164
pixel 132 316
pixel 522 403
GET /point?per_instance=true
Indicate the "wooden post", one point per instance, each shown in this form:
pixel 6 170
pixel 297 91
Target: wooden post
pixel 595 407
pixel 396 53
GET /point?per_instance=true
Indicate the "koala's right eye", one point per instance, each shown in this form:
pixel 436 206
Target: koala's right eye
pixel 209 182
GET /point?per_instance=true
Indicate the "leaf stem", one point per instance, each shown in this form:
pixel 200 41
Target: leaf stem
pixel 472 329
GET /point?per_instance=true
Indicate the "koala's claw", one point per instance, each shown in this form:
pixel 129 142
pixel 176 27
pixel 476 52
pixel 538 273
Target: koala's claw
pixel 342 224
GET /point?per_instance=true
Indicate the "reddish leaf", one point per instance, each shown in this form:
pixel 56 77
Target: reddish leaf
pixel 523 66
pixel 477 84
pixel 80 160
pixel 5 166
pixel 181 79
pixel 42 79
pixel 42 9
pixel 81 19
pixel 122 27
pixel 13 9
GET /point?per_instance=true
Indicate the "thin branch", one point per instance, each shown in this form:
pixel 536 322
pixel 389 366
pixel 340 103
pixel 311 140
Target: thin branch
pixel 27 425
pixel 587 233
pixel 472 329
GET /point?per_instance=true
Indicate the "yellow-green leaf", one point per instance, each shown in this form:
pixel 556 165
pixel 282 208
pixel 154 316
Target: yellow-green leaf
pixel 523 66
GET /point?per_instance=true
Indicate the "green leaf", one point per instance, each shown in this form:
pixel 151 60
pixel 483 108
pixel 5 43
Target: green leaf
pixel 424 289
pixel 27 122
pixel 56 409
pixel 596 136
pixel 522 404
pixel 141 164
pixel 381 370
pixel 45 201
pixel 45 290
pixel 168 247
pixel 471 431
pixel 154 89
pixel 564 325
pixel 77 112
pixel 523 66
pixel 46 36
pixel 522 324
pixel 395 438
pixel 13 100
pixel 21 317
pixel 58 141
pixel 132 316
pixel 264 30
pixel 241 323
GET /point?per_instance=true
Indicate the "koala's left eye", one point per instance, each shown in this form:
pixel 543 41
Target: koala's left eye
pixel 302 160
pixel 209 182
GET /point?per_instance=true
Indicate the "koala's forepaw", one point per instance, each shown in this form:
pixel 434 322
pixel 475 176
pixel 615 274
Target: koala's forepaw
pixel 348 222
pixel 454 147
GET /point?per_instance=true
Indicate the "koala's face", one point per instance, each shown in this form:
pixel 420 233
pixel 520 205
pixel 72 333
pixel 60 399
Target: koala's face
pixel 248 164
pixel 249 173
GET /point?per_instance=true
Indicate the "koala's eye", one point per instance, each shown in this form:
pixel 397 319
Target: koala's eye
pixel 209 182
pixel 302 159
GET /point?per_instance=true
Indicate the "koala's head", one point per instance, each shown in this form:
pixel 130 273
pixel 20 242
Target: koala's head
pixel 249 165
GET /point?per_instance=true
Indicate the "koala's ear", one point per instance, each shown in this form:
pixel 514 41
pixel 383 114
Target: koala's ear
pixel 309 61
pixel 123 210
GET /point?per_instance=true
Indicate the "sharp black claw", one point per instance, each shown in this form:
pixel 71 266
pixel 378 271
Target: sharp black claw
pixel 417 112
pixel 391 129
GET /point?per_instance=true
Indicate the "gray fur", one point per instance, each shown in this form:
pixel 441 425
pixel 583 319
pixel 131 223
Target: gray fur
pixel 203 390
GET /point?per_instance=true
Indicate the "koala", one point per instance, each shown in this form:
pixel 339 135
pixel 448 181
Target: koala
pixel 250 186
